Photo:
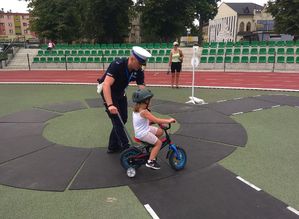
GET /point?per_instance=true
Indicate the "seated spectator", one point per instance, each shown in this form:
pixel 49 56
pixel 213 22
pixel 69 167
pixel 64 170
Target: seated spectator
pixel 51 45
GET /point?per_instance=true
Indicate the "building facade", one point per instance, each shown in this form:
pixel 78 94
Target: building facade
pixel 15 26
pixel 234 21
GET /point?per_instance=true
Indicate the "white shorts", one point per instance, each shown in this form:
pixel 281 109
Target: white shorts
pixel 150 137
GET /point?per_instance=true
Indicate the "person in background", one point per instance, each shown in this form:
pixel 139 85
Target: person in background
pixel 51 45
pixel 114 82
pixel 175 63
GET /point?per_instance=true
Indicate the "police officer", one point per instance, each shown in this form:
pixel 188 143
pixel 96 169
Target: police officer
pixel 114 82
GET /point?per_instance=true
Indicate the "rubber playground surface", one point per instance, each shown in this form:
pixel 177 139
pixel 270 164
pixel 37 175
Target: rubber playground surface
pixel 43 148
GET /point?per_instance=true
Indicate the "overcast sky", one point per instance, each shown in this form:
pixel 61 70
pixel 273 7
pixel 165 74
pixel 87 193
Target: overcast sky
pixel 21 6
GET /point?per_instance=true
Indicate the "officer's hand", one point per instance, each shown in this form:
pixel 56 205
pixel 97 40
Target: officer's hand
pixel 112 109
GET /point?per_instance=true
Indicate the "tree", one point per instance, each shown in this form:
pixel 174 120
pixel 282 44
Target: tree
pixel 286 16
pixel 167 20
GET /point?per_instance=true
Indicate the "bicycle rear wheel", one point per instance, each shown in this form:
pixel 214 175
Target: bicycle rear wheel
pixel 126 158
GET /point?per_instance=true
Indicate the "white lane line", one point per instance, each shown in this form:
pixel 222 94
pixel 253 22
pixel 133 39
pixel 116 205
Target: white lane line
pixel 238 113
pixel 275 106
pixel 293 210
pixel 151 211
pixel 259 109
pixel 248 183
pixel 219 101
pixel 238 98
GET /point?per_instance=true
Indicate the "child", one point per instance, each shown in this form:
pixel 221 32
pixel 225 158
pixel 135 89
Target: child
pixel 141 120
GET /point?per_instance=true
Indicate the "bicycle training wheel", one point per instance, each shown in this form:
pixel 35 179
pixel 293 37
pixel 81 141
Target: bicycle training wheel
pixel 178 160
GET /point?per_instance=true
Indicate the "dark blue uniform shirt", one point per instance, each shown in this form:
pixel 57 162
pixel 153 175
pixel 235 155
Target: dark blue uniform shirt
pixel 118 69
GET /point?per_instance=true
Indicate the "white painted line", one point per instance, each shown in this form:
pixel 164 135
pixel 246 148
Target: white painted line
pixel 219 101
pixel 151 211
pixel 238 113
pixel 297 106
pixel 238 98
pixel 248 183
pixel 259 109
pixel 275 106
pixel 257 95
pixel 293 210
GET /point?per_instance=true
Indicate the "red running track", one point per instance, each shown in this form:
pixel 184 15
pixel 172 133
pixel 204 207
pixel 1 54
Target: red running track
pixel 251 80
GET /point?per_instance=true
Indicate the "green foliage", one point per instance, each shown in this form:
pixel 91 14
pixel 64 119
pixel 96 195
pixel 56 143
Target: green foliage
pixel 286 16
pixel 167 20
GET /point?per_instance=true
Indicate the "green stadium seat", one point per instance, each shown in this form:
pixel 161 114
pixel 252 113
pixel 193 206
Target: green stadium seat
pixel 290 59
pixel 237 51
pixel 120 52
pixel 254 43
pixel 221 44
pixel 203 59
pixel 229 51
pixel 154 52
pixel 297 51
pixel 67 52
pixel 164 45
pixel 47 53
pixel 161 52
pixel 167 53
pixel 123 46
pixel 236 59
pixel 219 59
pixel 107 53
pixel 127 52
pixel 228 59
pixel 104 46
pixel 229 44
pixel 213 44
pixel 90 59
pixel 238 44
pixel 149 46
pixel 97 59
pixel 263 51
pixel 280 51
pixel 297 43
pixel 42 59
pixel 166 59
pixel 104 60
pixel 211 59
pixel 245 43
pixel 158 59
pixel 83 59
pixel 151 60
pixel 80 52
pixel 157 45
pixel 100 52
pixel 205 52
pixel 263 43
pixel 280 59
pixel 36 60
pixel 40 52
pixel 206 45
pixel 289 43
pixel 70 59
pixel 60 53
pixel 56 59
pixel 93 52
pixel 110 59
pixel 113 52
pixel 76 59
pixel 271 51
pixel 253 51
pixel 244 59
pixel 74 52
pixel 49 59
pixel 262 59
pixel 290 51
pixel 271 43
pixel 129 46
pixel 253 59
pixel 53 53
pixel 245 51
pixel 109 46
pixel 62 60
pixel 220 52
pixel 280 43
pixel 271 59
pixel 116 45
pixel 297 59
pixel 212 52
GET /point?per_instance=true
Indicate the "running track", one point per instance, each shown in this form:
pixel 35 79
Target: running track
pixel 250 80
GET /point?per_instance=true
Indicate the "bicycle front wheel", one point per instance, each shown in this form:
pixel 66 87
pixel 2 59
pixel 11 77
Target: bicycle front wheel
pixel 178 160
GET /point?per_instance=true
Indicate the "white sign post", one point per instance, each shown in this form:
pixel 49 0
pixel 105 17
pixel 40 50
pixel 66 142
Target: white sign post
pixel 194 63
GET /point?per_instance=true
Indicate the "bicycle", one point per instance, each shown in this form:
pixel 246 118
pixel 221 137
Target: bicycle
pixel 136 156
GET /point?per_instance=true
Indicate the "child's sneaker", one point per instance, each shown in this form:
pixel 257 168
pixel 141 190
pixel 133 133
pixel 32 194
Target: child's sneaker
pixel 153 164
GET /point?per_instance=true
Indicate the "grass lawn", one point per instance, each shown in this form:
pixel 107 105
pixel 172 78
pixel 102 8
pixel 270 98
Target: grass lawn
pixel 269 159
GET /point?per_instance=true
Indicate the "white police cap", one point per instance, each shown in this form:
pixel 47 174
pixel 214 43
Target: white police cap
pixel 140 54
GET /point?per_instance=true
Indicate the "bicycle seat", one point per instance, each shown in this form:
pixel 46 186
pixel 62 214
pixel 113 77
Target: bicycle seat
pixel 137 140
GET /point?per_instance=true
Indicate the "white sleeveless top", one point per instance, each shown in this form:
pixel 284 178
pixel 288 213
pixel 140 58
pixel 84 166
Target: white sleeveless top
pixel 140 124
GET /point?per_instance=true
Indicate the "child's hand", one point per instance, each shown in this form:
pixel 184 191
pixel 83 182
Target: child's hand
pixel 172 120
